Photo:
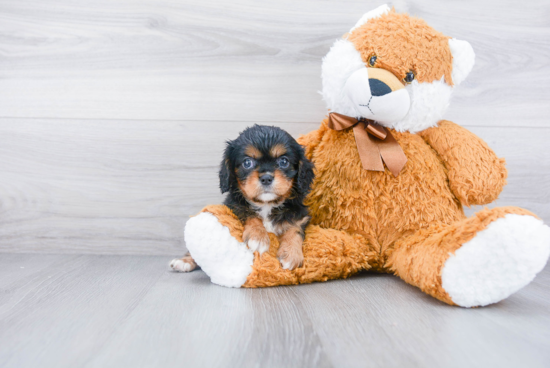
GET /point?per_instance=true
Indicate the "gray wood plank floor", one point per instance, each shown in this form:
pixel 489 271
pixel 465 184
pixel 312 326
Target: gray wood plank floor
pixel 130 311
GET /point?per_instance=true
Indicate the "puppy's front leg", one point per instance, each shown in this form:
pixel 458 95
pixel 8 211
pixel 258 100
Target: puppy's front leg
pixel 290 251
pixel 255 235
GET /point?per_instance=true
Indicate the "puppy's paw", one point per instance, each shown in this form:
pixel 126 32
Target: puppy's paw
pixel 255 236
pixel 258 243
pixel 290 256
pixel 183 264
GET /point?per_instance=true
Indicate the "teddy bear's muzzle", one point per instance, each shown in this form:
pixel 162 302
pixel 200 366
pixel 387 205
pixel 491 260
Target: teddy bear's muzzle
pixel 378 95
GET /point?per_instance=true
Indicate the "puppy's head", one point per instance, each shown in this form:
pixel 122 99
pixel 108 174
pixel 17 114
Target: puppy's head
pixel 266 165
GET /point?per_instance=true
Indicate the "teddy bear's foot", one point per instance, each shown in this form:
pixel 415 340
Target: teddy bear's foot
pixel 497 262
pixel 225 260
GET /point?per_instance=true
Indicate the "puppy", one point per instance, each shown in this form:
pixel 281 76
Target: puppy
pixel 267 176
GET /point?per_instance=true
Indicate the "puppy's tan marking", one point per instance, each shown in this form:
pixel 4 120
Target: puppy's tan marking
pixel 184 264
pixel 281 184
pixel 277 150
pixel 290 252
pixel 253 152
pixel 285 226
pixel 251 187
pixel 255 235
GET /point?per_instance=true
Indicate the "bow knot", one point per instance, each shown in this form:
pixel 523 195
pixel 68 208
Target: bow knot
pixel 374 143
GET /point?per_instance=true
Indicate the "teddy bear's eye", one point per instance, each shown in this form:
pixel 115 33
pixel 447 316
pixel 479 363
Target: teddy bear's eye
pixel 372 60
pixel 409 77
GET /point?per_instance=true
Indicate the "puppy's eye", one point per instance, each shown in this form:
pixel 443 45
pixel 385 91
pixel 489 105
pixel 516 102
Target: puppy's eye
pixel 248 163
pixel 372 60
pixel 283 162
pixel 409 77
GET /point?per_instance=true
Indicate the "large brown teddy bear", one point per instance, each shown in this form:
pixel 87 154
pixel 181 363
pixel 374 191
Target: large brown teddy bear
pixel 386 206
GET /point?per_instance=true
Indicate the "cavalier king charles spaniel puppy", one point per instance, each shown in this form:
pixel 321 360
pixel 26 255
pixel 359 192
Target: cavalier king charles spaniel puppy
pixel 267 177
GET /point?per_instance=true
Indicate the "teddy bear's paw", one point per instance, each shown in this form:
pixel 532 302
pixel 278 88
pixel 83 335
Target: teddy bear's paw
pixel 225 260
pixel 497 262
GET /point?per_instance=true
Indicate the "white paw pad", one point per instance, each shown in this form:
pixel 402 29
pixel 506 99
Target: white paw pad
pixel 180 266
pixel 497 262
pixel 225 260
pixel 258 245
pixel 286 265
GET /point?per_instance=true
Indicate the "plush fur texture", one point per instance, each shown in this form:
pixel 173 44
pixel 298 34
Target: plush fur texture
pixel 419 259
pixel 338 65
pixel 412 225
pixel 384 104
pixel 473 179
pixel 222 255
pixel 381 10
pixel 463 59
pixel 429 101
pixel 435 59
pixel 486 269
pixel 328 254
pixel 403 43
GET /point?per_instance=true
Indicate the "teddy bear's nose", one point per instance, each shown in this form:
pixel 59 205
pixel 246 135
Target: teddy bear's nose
pixel 378 88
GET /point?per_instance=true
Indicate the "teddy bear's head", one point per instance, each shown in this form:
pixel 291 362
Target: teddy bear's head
pixel 394 69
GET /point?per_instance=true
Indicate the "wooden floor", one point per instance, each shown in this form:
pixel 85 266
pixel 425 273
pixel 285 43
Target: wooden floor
pixel 130 311
pixel 113 116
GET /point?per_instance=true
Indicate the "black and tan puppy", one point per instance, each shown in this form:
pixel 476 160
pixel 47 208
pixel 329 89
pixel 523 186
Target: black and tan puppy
pixel 268 177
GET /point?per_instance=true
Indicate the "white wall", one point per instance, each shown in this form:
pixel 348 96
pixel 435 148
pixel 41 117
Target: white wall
pixel 113 114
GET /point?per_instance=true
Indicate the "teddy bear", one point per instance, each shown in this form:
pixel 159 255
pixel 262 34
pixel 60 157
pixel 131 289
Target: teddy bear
pixel 391 179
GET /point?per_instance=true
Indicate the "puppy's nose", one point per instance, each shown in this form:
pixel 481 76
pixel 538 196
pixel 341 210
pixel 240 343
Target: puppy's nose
pixel 378 88
pixel 266 179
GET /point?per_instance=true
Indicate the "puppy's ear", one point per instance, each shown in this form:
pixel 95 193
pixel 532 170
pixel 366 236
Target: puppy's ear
pixel 305 176
pixel 226 171
pixel 225 176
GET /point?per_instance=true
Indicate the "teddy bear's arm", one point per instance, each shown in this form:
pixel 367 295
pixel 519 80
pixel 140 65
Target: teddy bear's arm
pixel 476 174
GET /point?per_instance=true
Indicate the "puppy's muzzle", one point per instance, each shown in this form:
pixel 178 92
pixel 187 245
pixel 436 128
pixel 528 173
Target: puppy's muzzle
pixel 378 95
pixel 266 179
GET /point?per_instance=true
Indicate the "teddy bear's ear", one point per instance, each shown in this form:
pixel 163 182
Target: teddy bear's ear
pixel 381 10
pixel 463 59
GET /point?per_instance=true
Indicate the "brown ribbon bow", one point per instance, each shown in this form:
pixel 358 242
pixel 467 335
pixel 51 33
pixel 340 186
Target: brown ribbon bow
pixel 374 143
